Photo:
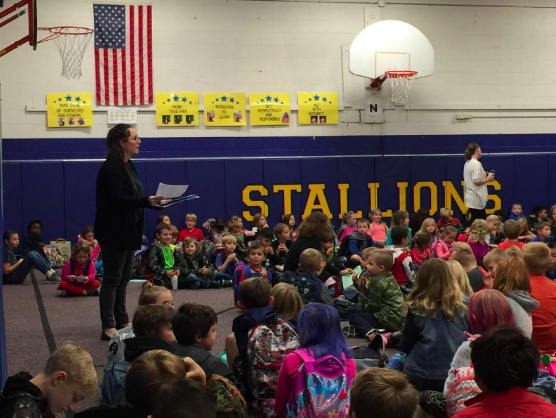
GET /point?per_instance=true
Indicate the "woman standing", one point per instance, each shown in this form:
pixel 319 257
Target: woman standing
pixel 119 223
pixel 475 180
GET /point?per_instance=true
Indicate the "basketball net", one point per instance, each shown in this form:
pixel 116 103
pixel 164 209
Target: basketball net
pixel 72 42
pixel 401 83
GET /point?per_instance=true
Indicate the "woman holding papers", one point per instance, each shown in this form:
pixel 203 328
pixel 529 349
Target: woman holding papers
pixel 119 223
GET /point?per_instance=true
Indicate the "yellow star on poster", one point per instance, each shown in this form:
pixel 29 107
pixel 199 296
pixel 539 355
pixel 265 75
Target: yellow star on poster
pixel 332 414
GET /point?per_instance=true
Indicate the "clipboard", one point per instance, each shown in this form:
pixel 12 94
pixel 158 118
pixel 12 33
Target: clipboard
pixel 170 202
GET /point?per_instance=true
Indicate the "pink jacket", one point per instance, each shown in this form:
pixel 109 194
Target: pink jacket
pixel 347 230
pixel 66 271
pixel 94 254
pixel 287 376
pixel 479 249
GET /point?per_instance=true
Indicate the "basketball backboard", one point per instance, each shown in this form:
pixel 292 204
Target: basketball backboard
pixel 391 45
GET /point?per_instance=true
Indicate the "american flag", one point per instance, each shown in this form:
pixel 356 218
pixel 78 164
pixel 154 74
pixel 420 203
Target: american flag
pixel 123 54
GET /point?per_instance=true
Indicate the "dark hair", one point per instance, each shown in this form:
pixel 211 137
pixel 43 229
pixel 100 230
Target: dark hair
pixel 499 213
pixel 422 240
pixel 86 231
pixel 398 233
pixel 33 222
pixel 504 358
pixel 8 234
pixel 162 227
pixel 398 216
pixel 471 148
pixel 254 293
pixel 265 233
pixel 286 219
pixel 149 319
pixel 78 247
pixel 256 246
pixel 551 245
pixel 316 225
pixel 193 320
pixel 115 136
pixel 184 398
pixel 320 331
pixel 160 219
pixel 279 228
pixel 538 209
pixel 219 224
pixel 363 220
pixel 541 225
pixel 421 215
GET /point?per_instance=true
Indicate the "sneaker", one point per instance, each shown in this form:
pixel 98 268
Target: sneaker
pixel 93 292
pixel 62 293
pixel 349 331
pixel 54 278
pixel 228 283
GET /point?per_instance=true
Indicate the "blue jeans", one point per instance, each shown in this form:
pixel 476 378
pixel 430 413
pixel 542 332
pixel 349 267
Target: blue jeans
pixel 32 259
pixel 225 276
pixel 202 282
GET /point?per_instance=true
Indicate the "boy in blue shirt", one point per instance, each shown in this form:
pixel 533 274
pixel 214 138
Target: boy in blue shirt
pixel 358 241
pixel 543 233
pixel 227 260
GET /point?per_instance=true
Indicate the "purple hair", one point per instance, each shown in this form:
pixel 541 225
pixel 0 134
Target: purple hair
pixel 487 309
pixel 320 330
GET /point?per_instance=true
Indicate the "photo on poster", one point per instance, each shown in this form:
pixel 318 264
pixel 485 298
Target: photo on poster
pixel 166 119
pixel 189 119
pixel 178 119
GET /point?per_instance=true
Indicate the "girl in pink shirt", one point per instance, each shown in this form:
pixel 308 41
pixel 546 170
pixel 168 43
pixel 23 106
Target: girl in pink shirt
pixel 378 229
pixel 320 336
pixel 88 235
pixel 477 240
pixel 443 247
pixel 349 224
pixel 79 274
pixel 421 249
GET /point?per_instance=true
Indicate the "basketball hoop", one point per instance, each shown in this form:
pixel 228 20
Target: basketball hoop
pixel 401 82
pixel 72 42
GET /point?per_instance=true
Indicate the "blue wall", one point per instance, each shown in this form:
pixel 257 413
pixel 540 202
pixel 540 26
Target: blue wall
pixel 44 178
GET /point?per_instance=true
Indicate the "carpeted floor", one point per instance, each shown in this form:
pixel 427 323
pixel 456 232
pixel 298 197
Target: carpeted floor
pixel 38 321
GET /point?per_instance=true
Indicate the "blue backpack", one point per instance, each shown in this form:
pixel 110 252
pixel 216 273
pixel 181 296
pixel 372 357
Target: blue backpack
pixel 113 383
pixel 321 388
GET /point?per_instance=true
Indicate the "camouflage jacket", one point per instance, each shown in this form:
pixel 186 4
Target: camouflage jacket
pixel 383 298
pixel 192 264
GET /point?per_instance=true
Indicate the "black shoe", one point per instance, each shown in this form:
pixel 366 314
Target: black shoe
pixel 93 292
pixel 105 337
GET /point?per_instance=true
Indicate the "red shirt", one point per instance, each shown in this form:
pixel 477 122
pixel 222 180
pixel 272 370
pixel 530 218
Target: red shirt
pixel 419 258
pixel 196 233
pixel 544 317
pixel 454 221
pixel 515 403
pixel 507 244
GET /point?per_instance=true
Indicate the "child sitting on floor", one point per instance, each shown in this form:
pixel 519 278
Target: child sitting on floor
pixel 194 326
pixel 241 247
pixel 15 271
pixel 429 227
pixel 517 212
pixel 287 302
pixel 378 229
pixel 349 224
pixel 88 235
pixel 357 242
pixel 191 229
pixel 184 398
pixel 377 392
pixel 33 241
pixel 252 269
pixel 446 218
pixel 305 280
pixel 402 270
pixel 198 272
pixel 163 260
pixel 511 232
pixel 380 295
pixel 68 377
pixel 399 218
pixel 475 274
pixel 79 274
pixel 320 338
pixel 477 240
pixel 421 249
pixel 493 238
pixel 283 243
pixel 216 229
pixel 227 260
pixel 551 271
pixel 544 234
pixel 442 248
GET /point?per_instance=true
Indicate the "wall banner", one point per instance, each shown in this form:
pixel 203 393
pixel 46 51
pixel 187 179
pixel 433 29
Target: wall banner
pixel 225 109
pixel 318 108
pixel 177 109
pixel 69 110
pixel 269 109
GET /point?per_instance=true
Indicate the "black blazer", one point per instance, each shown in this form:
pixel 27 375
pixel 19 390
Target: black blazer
pixel 115 224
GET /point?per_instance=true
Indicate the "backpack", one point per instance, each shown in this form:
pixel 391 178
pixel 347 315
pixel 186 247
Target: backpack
pixel 54 256
pixel 113 383
pixel 85 270
pixel 434 253
pixel 347 309
pixel 463 389
pixel 248 273
pixel 267 346
pixel 371 355
pixel 344 246
pixel 321 388
pixel 306 289
pixel 229 402
pixel 116 348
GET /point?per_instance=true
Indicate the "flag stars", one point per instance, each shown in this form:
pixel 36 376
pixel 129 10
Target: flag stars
pixel 184 99
pixel 176 98
pixel 316 97
pixel 224 98
pixel 268 98
pixel 68 98
pixel 232 100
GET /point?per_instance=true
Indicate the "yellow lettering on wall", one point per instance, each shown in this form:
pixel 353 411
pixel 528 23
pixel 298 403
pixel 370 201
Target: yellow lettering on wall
pixel 344 201
pixel 417 196
pixel 402 192
pixel 450 193
pixel 373 190
pixel 254 203
pixel 287 189
pixel 495 198
pixel 316 192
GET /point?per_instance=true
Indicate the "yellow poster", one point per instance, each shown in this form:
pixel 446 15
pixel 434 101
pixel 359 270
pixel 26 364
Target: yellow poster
pixel 225 109
pixel 69 110
pixel 177 109
pixel 317 108
pixel 269 108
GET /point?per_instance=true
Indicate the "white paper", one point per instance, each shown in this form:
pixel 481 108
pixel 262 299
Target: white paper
pixel 169 191
pixel 122 115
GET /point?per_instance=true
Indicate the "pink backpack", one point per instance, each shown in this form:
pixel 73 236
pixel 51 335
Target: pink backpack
pixel 321 388
pixel 434 253
pixel 463 389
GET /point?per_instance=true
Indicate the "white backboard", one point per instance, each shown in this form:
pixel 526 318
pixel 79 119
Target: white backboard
pixel 391 45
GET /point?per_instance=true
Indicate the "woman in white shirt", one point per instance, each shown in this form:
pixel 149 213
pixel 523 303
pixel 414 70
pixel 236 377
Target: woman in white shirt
pixel 475 180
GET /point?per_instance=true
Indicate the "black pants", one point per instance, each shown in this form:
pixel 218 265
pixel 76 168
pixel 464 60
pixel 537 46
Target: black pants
pixel 476 214
pixel 117 274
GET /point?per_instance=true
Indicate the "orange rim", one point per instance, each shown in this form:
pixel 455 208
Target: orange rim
pixel 56 31
pixel 400 74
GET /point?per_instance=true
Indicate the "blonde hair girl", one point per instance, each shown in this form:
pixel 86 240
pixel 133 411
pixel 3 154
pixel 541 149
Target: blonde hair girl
pixel 378 229
pixel 477 239
pixel 459 274
pixel 435 325
pixel 429 226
